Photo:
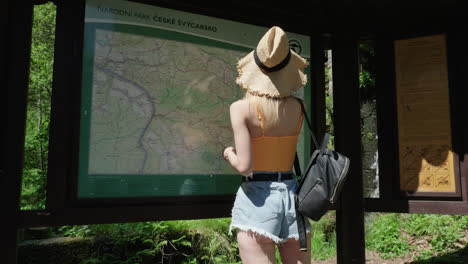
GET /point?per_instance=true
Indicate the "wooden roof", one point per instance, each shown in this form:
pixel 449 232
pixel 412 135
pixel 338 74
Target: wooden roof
pixel 328 16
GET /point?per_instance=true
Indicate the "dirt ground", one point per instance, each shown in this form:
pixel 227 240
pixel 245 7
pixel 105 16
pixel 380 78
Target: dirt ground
pixel 459 253
pixel 460 257
pixel 371 258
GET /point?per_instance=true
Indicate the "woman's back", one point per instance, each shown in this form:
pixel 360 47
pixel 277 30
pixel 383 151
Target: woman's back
pixel 289 119
pixel 274 148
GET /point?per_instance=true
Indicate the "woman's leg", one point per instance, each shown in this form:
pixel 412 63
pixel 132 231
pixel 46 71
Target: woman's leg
pixel 255 249
pixel 291 254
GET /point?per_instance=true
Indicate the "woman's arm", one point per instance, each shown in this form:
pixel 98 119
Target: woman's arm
pixel 240 157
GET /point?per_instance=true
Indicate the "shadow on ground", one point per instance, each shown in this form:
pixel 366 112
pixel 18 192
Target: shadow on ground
pixel 456 257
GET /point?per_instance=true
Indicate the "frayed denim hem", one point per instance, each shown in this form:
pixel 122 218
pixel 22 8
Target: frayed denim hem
pixel 261 232
pixel 295 237
pixel 256 231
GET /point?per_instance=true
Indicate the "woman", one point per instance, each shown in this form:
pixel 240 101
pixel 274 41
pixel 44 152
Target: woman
pixel 266 124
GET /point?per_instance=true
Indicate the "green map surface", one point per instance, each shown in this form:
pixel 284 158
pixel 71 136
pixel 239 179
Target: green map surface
pixel 159 106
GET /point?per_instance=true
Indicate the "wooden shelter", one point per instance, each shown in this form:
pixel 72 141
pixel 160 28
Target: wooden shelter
pixel 334 24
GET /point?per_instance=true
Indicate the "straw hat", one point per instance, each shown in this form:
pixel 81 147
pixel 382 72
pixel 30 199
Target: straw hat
pixel 272 69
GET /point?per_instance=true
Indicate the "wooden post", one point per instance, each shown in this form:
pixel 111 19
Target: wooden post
pixel 458 70
pixel 317 86
pixel 15 57
pixel 387 120
pixel 65 117
pixel 347 121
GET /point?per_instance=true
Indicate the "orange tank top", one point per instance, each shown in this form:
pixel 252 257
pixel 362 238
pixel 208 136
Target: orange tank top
pixel 274 153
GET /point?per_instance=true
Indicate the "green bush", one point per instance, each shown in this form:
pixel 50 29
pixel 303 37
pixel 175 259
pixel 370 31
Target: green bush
pixel 208 241
pixel 389 234
pixel 441 230
pixel 324 237
pixel 385 236
pixel 194 241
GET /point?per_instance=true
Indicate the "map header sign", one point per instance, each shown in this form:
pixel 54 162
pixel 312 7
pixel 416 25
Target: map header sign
pixel 226 31
pixel 156 90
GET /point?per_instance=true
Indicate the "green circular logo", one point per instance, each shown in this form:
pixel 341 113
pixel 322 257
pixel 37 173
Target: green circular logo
pixel 295 46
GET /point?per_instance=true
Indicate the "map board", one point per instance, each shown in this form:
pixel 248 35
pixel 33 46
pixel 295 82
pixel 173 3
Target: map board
pixel 156 89
pixel 424 129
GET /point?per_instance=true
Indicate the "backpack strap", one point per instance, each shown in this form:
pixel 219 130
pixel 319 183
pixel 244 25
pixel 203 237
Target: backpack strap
pixel 301 229
pixel 308 122
pixel 323 147
pixel 297 167
pixel 300 219
pixel 299 124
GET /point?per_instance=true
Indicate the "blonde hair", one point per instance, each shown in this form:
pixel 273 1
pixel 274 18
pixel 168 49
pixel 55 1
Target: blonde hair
pixel 269 107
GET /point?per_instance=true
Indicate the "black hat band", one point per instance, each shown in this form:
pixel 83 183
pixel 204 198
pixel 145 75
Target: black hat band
pixel 277 67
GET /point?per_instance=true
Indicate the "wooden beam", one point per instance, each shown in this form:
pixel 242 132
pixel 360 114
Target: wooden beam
pixel 123 214
pixel 15 74
pixel 347 121
pixel 416 206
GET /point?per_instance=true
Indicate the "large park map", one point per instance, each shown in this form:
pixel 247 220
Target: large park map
pixel 157 84
pixel 160 106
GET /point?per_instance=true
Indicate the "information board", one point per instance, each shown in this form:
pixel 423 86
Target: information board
pixel 156 88
pixel 424 129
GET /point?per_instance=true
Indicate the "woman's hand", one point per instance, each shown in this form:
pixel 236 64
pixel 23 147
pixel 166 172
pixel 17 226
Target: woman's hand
pixel 227 151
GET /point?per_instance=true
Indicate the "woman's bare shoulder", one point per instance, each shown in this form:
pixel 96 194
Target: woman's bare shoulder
pixel 241 105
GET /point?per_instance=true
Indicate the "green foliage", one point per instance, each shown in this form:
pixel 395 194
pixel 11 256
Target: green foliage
pixel 366 79
pixel 35 164
pixel 129 243
pixel 324 237
pixel 329 120
pixel 385 236
pixel 441 230
pixel 457 257
pixel 207 241
pixel 211 243
pixel 367 72
pixel 389 234
pixel 37 124
pixel 424 254
pixel 194 241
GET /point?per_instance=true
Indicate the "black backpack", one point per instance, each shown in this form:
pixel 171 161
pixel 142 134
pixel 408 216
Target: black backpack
pixel 320 186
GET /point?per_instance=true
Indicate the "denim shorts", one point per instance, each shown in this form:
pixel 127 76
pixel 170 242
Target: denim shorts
pixel 268 209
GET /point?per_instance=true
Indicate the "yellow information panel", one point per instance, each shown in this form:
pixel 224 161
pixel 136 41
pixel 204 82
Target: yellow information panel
pixel 426 157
